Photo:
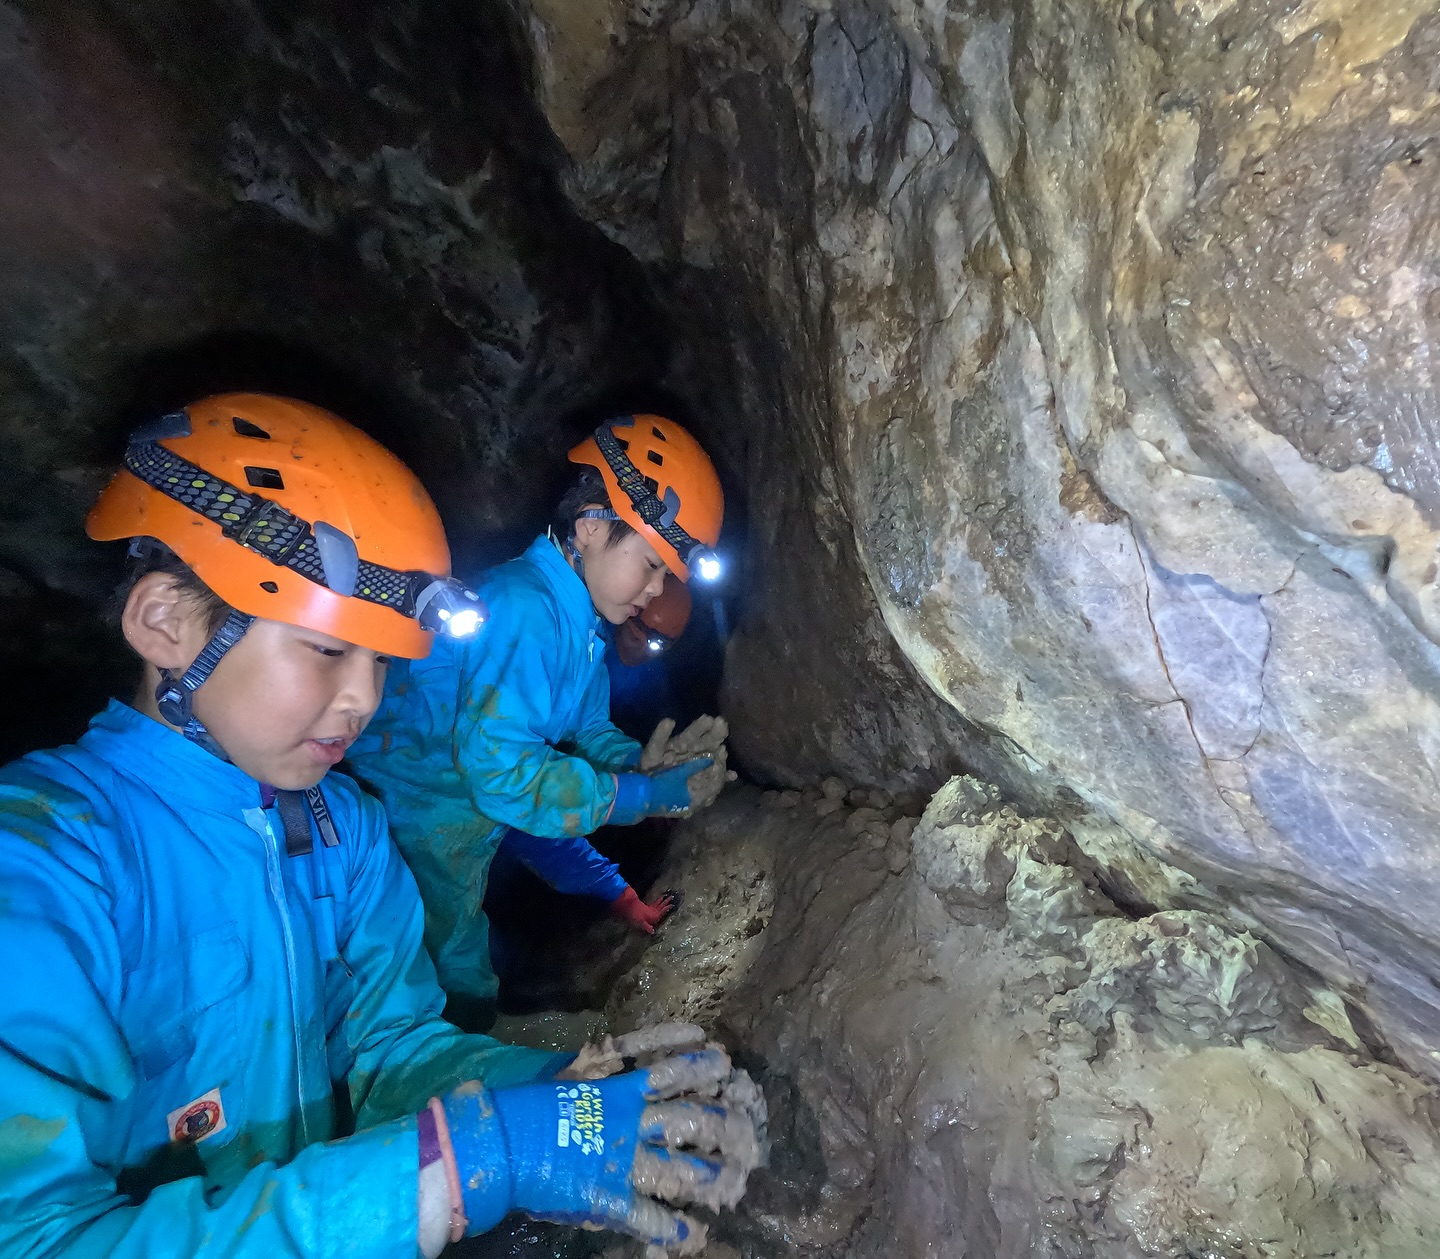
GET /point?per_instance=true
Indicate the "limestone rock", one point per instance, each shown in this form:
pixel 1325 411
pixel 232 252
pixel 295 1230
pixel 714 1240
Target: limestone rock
pixel 1161 1085
pixel 1094 351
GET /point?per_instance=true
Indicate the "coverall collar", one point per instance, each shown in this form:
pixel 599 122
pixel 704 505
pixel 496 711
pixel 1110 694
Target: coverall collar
pixel 169 763
pixel 570 589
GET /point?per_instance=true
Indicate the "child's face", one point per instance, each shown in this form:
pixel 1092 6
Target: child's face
pixel 622 579
pixel 286 703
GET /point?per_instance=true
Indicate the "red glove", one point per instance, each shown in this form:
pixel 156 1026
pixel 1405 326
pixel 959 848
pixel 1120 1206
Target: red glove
pixel 638 914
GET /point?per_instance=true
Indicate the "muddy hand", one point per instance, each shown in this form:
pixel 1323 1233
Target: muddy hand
pixel 641 1048
pixel 704 734
pixel 641 915
pixel 695 1152
pixel 606 1153
pixel 653 755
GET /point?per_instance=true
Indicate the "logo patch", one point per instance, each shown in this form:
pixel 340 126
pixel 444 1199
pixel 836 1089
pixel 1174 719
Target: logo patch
pixel 196 1120
pixel 581 1118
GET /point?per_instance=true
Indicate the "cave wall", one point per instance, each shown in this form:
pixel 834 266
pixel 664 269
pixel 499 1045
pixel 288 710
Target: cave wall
pixel 1086 348
pixel 345 202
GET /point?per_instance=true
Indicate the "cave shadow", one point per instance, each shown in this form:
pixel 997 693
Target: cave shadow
pixel 246 361
pixel 62 663
pixel 557 952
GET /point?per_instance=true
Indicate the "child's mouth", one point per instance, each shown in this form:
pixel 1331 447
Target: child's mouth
pixel 331 751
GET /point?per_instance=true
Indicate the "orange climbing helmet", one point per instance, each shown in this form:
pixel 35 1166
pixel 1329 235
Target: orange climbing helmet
pixel 289 513
pixel 647 636
pixel 668 613
pixel 662 484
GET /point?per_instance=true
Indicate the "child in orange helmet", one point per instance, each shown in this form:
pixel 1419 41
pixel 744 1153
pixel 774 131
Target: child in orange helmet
pixel 219 1030
pixel 514 736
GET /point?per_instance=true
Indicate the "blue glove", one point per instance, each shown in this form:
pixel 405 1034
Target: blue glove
pixel 665 792
pixel 670 788
pixel 586 1152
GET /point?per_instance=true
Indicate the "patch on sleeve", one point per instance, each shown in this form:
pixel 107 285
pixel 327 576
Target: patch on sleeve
pixel 196 1120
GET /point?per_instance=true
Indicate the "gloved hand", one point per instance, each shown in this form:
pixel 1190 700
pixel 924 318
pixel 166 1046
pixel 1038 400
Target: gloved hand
pixel 670 788
pixel 638 914
pixel 603 1153
pixel 705 736
pixel 664 793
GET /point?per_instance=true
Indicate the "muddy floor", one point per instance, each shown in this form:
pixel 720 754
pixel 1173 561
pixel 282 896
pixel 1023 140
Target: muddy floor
pixel 968 1049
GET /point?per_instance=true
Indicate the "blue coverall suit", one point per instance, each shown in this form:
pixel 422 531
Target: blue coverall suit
pixel 171 973
pixel 508 729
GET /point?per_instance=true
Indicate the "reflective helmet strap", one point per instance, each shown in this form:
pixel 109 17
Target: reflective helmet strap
pixel 174 696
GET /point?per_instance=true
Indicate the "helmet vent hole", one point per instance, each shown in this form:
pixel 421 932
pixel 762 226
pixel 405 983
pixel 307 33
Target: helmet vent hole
pixel 623 443
pixel 652 484
pixel 265 478
pixel 658 434
pixel 247 429
pixel 270 587
pixel 655 457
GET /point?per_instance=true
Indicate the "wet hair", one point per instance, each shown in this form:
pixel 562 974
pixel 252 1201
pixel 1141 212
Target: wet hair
pixel 587 488
pixel 147 555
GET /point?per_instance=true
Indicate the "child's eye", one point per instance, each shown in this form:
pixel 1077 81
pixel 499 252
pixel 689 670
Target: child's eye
pixel 328 651
pixel 383 661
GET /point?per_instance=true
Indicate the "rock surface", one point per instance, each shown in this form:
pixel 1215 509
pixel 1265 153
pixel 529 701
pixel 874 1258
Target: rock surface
pixel 1078 358
pixel 967 1049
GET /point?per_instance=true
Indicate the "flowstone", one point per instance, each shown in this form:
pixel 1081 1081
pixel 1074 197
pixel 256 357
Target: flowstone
pixel 969 1049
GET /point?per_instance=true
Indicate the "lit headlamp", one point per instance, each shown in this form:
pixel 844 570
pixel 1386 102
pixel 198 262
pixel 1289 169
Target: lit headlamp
pixel 446 606
pixel 704 563
pixel 656 643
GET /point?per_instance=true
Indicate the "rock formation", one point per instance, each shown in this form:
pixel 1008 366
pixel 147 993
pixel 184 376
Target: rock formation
pixel 1079 354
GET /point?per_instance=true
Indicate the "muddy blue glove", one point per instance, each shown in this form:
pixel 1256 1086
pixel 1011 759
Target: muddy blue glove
pixel 602 1152
pixel 661 793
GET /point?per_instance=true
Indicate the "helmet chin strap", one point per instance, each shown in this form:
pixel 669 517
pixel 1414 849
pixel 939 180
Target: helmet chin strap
pixel 568 549
pixel 174 697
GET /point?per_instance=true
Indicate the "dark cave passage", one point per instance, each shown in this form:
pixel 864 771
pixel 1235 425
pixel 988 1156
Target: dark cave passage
pixel 1066 370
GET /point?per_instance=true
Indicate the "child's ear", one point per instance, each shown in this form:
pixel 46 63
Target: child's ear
pixel 163 623
pixel 587 530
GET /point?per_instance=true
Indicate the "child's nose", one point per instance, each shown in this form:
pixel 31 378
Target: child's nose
pixel 362 684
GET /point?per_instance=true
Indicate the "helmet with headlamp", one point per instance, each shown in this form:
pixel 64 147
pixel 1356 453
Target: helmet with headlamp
pixel 663 620
pixel 288 513
pixel 662 484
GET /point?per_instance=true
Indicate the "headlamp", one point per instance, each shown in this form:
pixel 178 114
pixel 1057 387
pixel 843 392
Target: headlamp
pixel 656 643
pixel 705 564
pixel 446 606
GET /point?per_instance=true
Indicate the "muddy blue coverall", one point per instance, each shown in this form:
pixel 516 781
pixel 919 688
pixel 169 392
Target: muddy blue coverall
pixel 508 729
pixel 189 1017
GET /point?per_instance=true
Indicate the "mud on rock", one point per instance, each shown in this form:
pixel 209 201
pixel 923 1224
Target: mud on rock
pixel 968 1048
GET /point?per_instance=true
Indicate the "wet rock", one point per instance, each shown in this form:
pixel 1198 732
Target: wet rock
pixel 1098 354
pixel 725 871
pixel 1162 1085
